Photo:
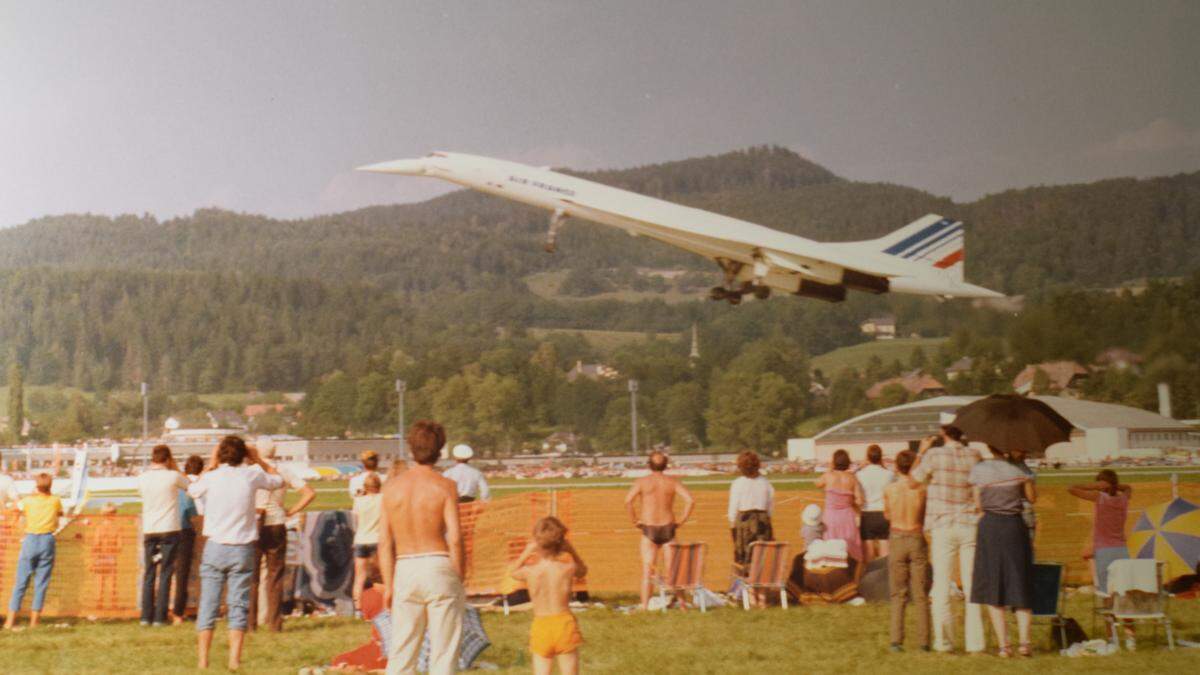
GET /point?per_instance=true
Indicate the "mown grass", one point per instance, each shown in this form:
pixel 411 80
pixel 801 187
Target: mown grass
pixel 824 639
pixel 333 495
pixel 857 356
pixel 606 341
pixel 546 285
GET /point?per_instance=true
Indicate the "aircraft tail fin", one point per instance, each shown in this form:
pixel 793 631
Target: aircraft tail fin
pixel 932 241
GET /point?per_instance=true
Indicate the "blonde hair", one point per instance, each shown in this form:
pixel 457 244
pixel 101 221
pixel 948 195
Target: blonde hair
pixel 372 483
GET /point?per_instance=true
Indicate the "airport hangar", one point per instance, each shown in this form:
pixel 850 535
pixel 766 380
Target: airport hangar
pixel 1103 431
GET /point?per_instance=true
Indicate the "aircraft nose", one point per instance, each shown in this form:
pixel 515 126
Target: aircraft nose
pixel 407 167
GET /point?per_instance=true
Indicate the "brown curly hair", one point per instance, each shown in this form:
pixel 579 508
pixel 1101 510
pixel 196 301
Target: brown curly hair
pixel 749 463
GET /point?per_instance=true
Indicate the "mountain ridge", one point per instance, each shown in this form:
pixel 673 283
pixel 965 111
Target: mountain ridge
pixel 1019 240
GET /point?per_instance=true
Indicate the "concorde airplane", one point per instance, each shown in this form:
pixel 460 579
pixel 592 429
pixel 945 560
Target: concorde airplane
pixel 924 257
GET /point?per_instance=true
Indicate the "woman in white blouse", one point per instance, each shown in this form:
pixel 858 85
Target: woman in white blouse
pixel 751 502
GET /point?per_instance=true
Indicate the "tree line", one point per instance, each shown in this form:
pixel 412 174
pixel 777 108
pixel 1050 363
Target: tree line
pixel 1023 241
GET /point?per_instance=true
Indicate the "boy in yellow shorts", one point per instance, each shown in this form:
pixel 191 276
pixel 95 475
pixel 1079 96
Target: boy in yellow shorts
pixel 554 636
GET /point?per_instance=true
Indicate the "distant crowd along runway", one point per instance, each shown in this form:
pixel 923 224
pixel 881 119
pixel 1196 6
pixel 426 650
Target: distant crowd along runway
pixel 924 257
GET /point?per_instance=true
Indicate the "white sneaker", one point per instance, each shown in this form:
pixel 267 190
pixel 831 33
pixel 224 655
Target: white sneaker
pixel 1131 644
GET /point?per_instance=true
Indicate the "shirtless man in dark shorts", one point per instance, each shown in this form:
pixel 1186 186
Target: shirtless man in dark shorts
pixel 657 520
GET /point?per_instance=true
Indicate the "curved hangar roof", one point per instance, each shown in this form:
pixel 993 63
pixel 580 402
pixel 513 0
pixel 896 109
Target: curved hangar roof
pixel 921 418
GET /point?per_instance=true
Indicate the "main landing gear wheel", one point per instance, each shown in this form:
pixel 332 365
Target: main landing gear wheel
pixel 762 292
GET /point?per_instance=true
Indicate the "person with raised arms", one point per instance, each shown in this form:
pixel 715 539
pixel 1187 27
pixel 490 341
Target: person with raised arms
pixel 227 488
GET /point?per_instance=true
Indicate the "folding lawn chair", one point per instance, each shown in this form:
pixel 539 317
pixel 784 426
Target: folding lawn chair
pixel 684 571
pixel 769 568
pixel 1139 607
pixel 1050 597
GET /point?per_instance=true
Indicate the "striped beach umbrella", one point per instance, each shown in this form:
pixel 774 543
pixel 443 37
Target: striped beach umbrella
pixel 1169 533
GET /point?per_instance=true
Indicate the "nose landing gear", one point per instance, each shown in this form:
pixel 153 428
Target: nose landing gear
pixel 556 221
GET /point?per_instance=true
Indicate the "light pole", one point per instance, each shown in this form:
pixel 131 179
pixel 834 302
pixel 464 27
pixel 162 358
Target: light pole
pixel 145 416
pixel 633 389
pixel 401 386
pixel 145 412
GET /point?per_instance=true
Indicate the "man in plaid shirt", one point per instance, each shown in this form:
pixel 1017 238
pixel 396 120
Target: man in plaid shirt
pixel 944 462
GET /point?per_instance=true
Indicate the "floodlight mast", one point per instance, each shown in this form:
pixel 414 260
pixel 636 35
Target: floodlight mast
pixel 633 389
pixel 401 387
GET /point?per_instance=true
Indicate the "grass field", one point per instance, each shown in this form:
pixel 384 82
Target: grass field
pixel 857 356
pixel 333 494
pixel 803 639
pixel 825 639
pixel 546 284
pixel 606 341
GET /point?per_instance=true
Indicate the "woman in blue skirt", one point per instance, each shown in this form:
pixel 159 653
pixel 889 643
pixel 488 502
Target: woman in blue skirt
pixel 1003 575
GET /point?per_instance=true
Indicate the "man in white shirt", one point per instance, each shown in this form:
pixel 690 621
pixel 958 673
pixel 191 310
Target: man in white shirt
pixel 228 489
pixel 470 481
pixel 159 487
pixel 873 526
pixel 370 462
pixel 272 539
pixel 9 497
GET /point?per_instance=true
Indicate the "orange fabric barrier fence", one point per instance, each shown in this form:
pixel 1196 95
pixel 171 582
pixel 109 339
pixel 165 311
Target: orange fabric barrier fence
pixel 98 567
pixel 601 531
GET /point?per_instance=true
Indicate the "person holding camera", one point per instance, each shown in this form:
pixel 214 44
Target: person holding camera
pixel 944 462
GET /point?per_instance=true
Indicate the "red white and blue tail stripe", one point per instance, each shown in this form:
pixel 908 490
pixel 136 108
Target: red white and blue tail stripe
pixel 931 240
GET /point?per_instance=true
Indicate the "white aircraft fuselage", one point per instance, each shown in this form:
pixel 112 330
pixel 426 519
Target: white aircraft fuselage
pixel 752 256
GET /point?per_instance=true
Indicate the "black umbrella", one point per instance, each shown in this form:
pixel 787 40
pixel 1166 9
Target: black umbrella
pixel 1012 422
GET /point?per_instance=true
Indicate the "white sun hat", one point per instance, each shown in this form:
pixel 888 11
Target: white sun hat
pixel 811 514
pixel 462 452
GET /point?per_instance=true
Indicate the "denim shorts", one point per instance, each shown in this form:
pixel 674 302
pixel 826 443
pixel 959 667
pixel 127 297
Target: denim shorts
pixel 230 566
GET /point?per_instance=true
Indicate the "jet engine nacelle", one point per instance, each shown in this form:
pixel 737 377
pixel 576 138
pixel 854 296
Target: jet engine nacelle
pixel 820 291
pixel 868 283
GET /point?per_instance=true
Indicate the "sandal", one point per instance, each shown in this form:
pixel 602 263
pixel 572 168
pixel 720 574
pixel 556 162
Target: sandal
pixel 1004 652
pixel 1025 649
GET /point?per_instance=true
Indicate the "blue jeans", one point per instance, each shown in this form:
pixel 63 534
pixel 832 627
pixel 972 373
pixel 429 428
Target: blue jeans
pixel 158 566
pixel 37 559
pixel 231 566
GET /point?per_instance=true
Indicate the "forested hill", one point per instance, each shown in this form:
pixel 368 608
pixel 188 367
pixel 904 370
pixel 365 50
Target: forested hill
pixel 1097 234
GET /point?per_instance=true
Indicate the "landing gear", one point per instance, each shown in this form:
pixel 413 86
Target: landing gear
pixel 556 221
pixel 732 292
pixel 733 295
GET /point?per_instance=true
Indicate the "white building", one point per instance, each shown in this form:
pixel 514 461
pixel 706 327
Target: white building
pixel 1103 430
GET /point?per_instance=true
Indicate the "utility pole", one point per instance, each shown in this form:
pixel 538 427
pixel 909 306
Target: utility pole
pixel 633 389
pixel 401 386
pixel 145 412
pixel 145 416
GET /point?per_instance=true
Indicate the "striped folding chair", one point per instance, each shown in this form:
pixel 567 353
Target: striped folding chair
pixel 683 571
pixel 768 568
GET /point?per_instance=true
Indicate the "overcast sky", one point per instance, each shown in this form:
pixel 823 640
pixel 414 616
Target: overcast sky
pixel 165 107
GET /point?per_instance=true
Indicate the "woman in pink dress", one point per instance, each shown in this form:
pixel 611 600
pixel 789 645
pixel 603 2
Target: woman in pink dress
pixel 843 499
